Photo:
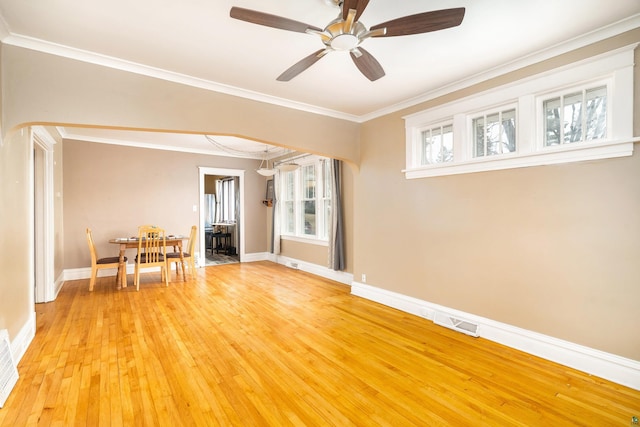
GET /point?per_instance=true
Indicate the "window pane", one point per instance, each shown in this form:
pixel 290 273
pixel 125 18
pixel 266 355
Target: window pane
pixel 572 117
pixel 447 144
pixel 552 122
pixel 596 114
pixel 509 131
pixel 309 182
pixel 493 134
pixel 425 157
pixel 437 145
pixel 478 136
pixel 309 209
pixel 289 188
pixel 289 223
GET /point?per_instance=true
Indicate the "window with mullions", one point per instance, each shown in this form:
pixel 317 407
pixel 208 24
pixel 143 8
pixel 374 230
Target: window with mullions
pixel 576 117
pixel 288 203
pixel 437 145
pixel 305 208
pixel 308 200
pixel 494 133
pixel 575 113
pixel 226 191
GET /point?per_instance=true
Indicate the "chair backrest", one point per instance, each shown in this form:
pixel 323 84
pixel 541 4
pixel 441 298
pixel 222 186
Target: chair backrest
pixel 92 247
pixel 191 246
pixel 151 244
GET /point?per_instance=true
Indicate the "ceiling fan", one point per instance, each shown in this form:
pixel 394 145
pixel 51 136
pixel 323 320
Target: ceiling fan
pixel 346 32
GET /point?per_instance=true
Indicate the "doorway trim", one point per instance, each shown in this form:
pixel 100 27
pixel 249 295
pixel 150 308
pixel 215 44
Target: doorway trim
pixel 203 171
pixel 43 165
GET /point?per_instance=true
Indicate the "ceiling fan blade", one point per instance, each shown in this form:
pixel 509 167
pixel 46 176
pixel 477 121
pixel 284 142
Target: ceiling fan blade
pixel 422 22
pixel 358 5
pixel 268 20
pixel 367 64
pixel 302 65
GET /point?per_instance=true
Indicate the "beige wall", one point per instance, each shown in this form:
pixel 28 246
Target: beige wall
pixel 58 208
pixel 16 253
pixel 48 89
pixel 551 249
pixel 113 189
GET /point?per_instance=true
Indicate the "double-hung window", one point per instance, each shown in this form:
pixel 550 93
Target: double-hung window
pixel 305 200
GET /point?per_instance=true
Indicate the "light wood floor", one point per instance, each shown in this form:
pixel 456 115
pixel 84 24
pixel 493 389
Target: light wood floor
pixel 259 344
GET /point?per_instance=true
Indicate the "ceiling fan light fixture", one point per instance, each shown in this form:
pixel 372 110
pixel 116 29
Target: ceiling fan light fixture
pixel 344 42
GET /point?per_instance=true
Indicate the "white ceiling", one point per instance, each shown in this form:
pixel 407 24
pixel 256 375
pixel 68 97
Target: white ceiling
pixel 196 42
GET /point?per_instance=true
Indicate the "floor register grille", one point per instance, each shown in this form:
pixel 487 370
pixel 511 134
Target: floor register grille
pixel 8 369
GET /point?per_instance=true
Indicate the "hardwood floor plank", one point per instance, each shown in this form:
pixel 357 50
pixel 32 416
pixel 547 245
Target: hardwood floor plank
pixel 263 345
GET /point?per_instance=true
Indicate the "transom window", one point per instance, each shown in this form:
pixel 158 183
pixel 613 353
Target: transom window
pixel 575 113
pixel 437 145
pixel 575 117
pixel 494 133
pixel 305 199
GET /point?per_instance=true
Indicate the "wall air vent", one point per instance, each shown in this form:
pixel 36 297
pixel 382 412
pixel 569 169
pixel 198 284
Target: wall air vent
pixel 8 370
pixel 455 323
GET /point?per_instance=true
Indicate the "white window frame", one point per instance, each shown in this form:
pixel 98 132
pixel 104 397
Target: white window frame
pixel 431 127
pixel 614 68
pixel 540 138
pixel 299 235
pixel 470 154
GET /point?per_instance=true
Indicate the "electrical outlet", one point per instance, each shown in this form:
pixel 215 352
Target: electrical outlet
pixel 364 278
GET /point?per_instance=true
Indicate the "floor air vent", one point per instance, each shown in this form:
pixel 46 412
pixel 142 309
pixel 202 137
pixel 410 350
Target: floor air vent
pixel 452 322
pixel 8 370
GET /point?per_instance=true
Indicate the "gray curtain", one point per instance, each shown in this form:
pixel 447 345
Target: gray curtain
pixel 275 217
pixel 336 234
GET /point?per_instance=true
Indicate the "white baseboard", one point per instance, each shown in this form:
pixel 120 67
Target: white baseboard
pixel 57 286
pixel 256 256
pixel 318 270
pixel 22 340
pixel 85 272
pixel 595 362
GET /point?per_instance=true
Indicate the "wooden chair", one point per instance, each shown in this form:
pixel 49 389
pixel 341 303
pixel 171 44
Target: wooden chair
pixel 152 246
pixel 188 255
pixel 102 263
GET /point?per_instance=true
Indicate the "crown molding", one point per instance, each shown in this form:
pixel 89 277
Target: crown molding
pixel 628 24
pixel 133 67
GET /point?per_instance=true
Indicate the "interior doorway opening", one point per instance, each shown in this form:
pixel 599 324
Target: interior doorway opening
pixel 221 236
pixel 43 211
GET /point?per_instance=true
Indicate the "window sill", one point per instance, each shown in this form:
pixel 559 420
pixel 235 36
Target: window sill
pixel 307 240
pixel 550 156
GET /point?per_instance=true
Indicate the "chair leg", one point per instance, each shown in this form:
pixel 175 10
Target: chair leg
pixel 92 281
pixel 166 273
pixel 136 276
pixel 192 267
pixel 184 277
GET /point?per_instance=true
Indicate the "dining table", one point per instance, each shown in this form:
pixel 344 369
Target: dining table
pixel 132 243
